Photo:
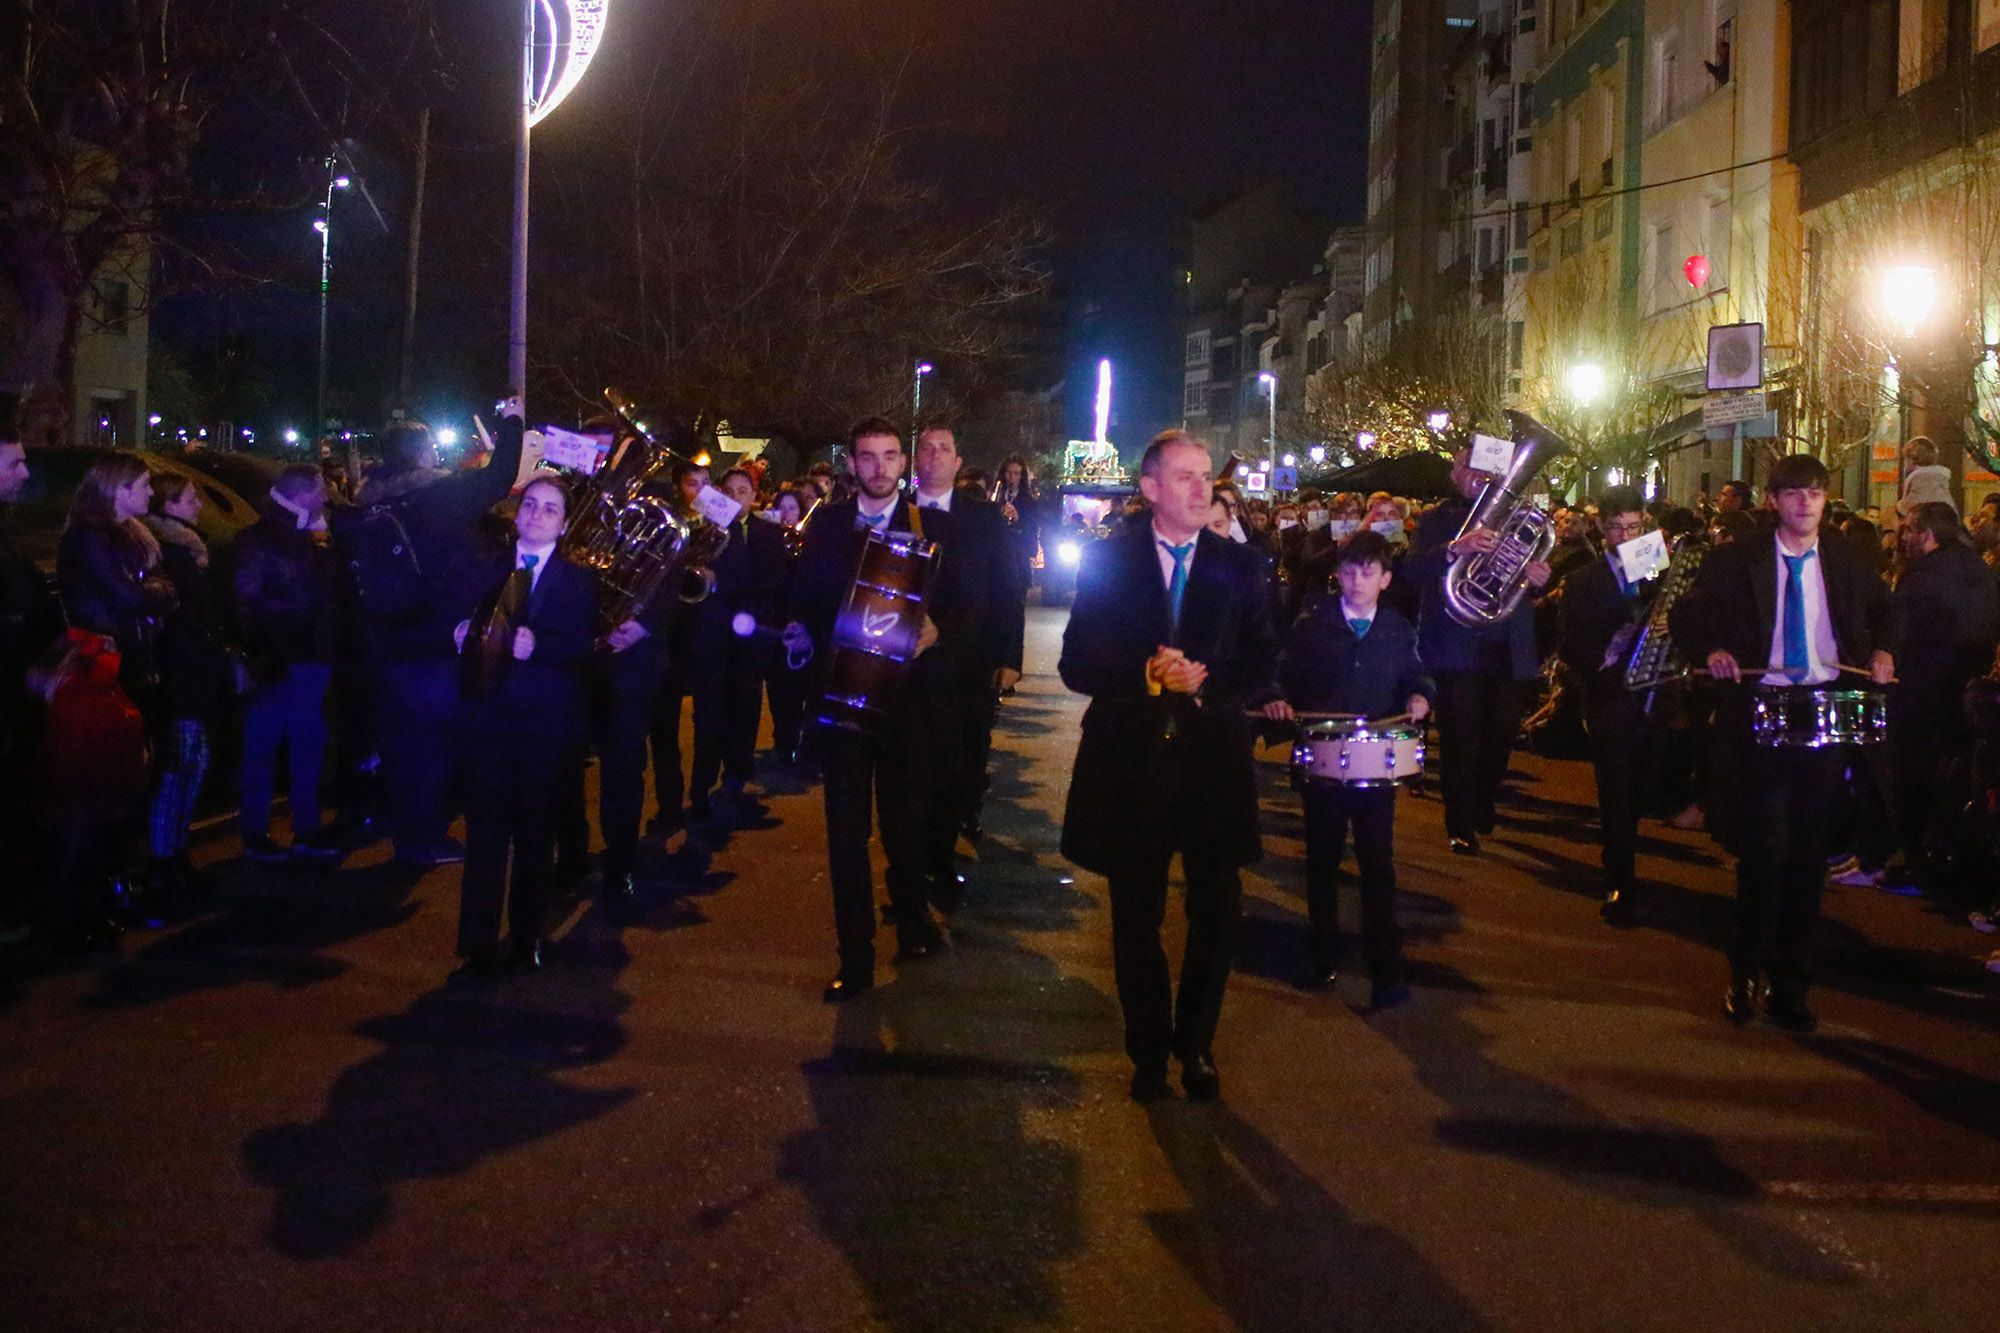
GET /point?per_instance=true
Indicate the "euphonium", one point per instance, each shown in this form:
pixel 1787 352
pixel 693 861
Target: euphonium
pixel 1484 588
pixel 632 538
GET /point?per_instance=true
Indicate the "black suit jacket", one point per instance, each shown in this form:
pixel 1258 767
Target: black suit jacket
pixel 1733 604
pixel 1592 613
pixel 546 695
pixel 1124 802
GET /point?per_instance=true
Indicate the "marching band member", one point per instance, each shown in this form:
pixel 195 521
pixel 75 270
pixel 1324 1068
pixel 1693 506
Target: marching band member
pixel 1170 637
pixel 1597 626
pixel 900 777
pixel 698 670
pixel 749 578
pixel 1804 607
pixel 524 653
pixel 1354 654
pixel 1480 672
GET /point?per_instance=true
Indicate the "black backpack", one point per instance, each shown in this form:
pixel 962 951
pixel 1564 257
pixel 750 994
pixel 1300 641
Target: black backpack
pixel 381 562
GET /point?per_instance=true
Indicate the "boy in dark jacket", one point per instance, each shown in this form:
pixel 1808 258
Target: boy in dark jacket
pixel 1352 654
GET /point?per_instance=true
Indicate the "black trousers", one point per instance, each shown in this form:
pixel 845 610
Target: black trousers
pixel 742 707
pixel 626 693
pixel 787 691
pixel 1478 715
pixel 976 711
pixel 1331 810
pixel 1787 799
pixel 514 790
pixel 421 708
pixel 701 677
pixel 1625 749
pixel 890 781
pixel 1159 1021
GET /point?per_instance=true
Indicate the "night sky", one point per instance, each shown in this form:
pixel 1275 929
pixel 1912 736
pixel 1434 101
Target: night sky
pixel 1111 120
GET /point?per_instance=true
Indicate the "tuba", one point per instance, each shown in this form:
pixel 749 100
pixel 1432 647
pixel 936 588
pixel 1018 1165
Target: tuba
pixel 633 538
pixel 1485 588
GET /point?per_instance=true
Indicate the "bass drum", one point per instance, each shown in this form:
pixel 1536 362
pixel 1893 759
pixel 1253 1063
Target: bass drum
pixel 875 636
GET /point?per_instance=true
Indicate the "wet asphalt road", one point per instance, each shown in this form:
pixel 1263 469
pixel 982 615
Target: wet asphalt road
pixel 274 1116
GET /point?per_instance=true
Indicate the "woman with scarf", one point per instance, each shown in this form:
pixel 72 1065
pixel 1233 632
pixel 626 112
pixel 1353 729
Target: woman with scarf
pixel 282 589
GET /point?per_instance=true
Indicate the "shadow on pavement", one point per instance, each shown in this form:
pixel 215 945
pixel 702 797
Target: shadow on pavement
pixel 463 1077
pixel 1272 1248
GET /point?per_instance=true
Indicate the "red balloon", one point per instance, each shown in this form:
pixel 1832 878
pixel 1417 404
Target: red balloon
pixel 1696 270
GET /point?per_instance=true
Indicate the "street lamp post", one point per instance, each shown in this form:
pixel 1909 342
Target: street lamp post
pixel 1908 296
pixel 323 224
pixel 1270 382
pixel 917 398
pixel 575 29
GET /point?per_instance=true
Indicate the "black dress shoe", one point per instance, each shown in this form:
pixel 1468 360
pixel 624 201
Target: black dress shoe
pixel 1149 1086
pixel 846 985
pixel 479 971
pixel 1741 1001
pixel 1617 908
pixel 1464 846
pixel 1199 1079
pixel 1790 1013
pixel 525 957
pixel 1484 828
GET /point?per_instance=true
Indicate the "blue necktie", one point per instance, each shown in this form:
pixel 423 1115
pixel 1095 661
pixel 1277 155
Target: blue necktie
pixel 1360 627
pixel 876 520
pixel 528 562
pixel 1177 586
pixel 1797 660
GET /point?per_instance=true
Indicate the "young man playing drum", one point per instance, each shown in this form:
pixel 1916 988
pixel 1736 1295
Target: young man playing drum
pixel 1352 654
pixel 1781 615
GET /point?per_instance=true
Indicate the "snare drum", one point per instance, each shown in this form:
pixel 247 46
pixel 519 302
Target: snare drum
pixel 1351 753
pixel 1812 717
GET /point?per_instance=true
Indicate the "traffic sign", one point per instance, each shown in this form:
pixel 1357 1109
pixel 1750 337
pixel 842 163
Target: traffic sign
pixel 1732 408
pixel 1284 478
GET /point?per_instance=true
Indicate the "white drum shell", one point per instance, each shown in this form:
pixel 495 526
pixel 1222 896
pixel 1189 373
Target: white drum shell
pixel 1354 755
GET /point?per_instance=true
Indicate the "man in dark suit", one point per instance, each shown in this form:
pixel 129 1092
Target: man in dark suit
pixel 1805 607
pixel 1480 671
pixel 1599 621
pixel 30 620
pixel 1171 637
pixel 900 775
pixel 524 655
pixel 983 559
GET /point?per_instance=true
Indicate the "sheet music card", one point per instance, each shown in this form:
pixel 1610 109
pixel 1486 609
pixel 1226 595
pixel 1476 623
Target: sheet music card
pixel 716 507
pixel 1643 557
pixel 1490 454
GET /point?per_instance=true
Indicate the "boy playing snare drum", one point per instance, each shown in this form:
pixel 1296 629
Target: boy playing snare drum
pixel 1350 654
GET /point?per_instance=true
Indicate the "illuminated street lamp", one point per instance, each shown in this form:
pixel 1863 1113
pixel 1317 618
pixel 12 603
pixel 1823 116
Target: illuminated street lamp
pixel 550 70
pixel 291 436
pixel 1586 381
pixel 1364 439
pixel 447 436
pixel 1270 383
pixel 1909 295
pixel 1317 453
pixel 917 398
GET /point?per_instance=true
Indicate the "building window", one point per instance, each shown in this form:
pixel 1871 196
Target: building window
pixel 1542 257
pixel 1718 62
pixel 1601 222
pixel 1520 226
pixel 1989 25
pixel 1717 242
pixel 111 306
pixel 1517 334
pixel 1197 349
pixel 1843 64
pixel 1524 107
pixel 1194 398
pixel 1925 25
pixel 1572 239
pixel 1666 70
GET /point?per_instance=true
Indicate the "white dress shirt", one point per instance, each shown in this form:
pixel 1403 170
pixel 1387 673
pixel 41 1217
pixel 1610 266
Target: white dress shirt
pixel 925 500
pixel 865 509
pixel 1822 653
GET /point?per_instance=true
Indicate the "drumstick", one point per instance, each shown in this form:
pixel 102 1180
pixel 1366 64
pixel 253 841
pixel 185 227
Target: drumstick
pixel 1394 720
pixel 1258 713
pixel 1748 672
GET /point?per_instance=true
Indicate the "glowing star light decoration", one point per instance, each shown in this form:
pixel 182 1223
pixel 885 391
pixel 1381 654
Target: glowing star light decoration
pixel 566 36
pixel 1103 399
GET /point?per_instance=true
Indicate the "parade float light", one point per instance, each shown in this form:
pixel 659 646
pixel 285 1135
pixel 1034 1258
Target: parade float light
pixel 1103 405
pixel 1069 553
pixel 447 436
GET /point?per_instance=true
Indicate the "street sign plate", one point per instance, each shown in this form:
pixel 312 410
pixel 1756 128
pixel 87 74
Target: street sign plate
pixel 1727 411
pixel 1284 478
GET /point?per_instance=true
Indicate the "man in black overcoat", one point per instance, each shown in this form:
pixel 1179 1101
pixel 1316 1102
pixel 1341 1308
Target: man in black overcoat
pixel 1171 637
